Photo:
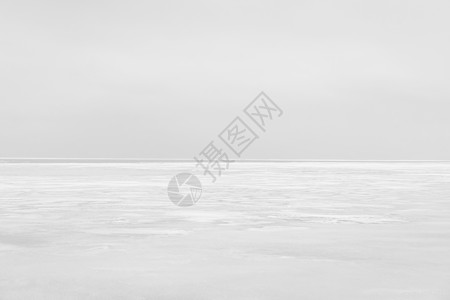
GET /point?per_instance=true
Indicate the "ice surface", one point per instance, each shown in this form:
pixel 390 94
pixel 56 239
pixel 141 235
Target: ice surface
pixel 305 230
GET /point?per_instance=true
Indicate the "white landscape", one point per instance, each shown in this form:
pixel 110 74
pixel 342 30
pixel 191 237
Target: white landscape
pixel 332 115
pixel 292 230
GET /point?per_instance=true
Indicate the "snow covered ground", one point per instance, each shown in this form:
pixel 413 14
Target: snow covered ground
pixel 304 230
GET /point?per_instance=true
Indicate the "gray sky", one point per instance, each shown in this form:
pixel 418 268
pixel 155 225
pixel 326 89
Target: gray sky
pixel 160 79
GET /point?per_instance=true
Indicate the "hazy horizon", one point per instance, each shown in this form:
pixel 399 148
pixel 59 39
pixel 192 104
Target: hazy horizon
pixel 238 160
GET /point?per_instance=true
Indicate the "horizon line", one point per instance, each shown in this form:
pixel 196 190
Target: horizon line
pixel 9 159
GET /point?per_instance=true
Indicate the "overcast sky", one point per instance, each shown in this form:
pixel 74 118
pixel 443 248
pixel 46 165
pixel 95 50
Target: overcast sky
pixel 161 79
